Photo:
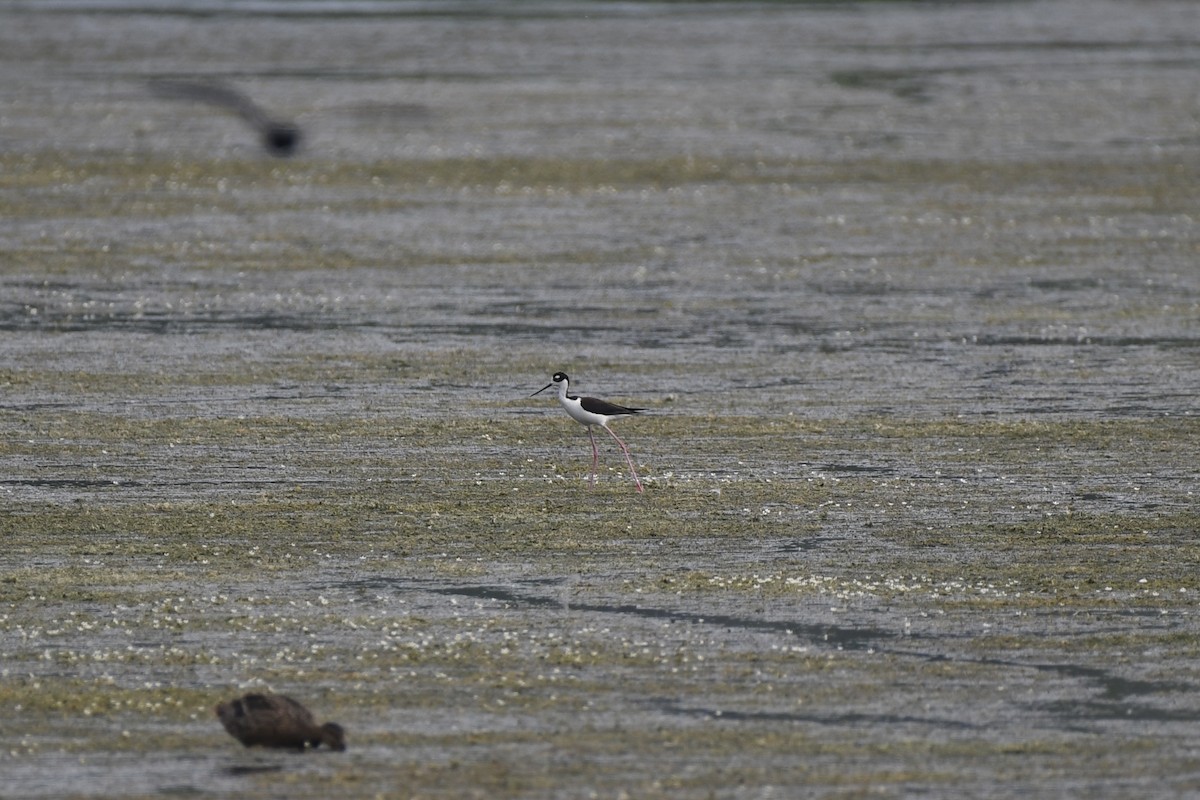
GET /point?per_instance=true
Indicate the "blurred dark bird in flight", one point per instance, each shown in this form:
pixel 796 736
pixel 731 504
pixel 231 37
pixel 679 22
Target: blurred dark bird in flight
pixel 279 137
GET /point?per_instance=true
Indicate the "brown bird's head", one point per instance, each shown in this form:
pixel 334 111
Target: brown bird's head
pixel 333 736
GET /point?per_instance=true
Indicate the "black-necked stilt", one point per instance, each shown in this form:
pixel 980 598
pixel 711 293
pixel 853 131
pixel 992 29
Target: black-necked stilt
pixel 589 411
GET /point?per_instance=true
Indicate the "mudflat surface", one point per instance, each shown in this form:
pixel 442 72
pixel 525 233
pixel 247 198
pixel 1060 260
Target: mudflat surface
pixel 910 292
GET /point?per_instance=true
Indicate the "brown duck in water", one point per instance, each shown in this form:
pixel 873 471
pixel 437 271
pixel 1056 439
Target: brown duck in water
pixel 274 720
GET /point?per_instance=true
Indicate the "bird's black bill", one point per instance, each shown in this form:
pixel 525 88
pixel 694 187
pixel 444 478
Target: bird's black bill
pixel 544 388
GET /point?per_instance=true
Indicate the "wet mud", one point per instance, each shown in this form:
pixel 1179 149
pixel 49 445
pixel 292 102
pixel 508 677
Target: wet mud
pixel 908 290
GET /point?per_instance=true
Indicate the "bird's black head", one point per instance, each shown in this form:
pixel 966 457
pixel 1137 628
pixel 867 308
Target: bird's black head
pixel 281 139
pixel 559 377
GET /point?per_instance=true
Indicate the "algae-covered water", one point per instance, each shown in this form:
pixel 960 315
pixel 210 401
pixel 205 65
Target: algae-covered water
pixel 910 292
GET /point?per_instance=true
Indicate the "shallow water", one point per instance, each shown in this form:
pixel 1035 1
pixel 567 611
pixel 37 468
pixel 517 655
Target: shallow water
pixel 910 291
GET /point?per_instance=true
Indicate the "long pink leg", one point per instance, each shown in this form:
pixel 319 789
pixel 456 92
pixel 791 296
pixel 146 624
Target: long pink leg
pixel 628 457
pixel 595 455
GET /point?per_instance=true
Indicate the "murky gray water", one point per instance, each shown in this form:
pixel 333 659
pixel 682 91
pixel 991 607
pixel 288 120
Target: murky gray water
pixel 910 289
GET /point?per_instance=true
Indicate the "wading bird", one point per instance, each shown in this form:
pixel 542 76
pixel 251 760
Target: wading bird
pixel 589 411
pixel 275 720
